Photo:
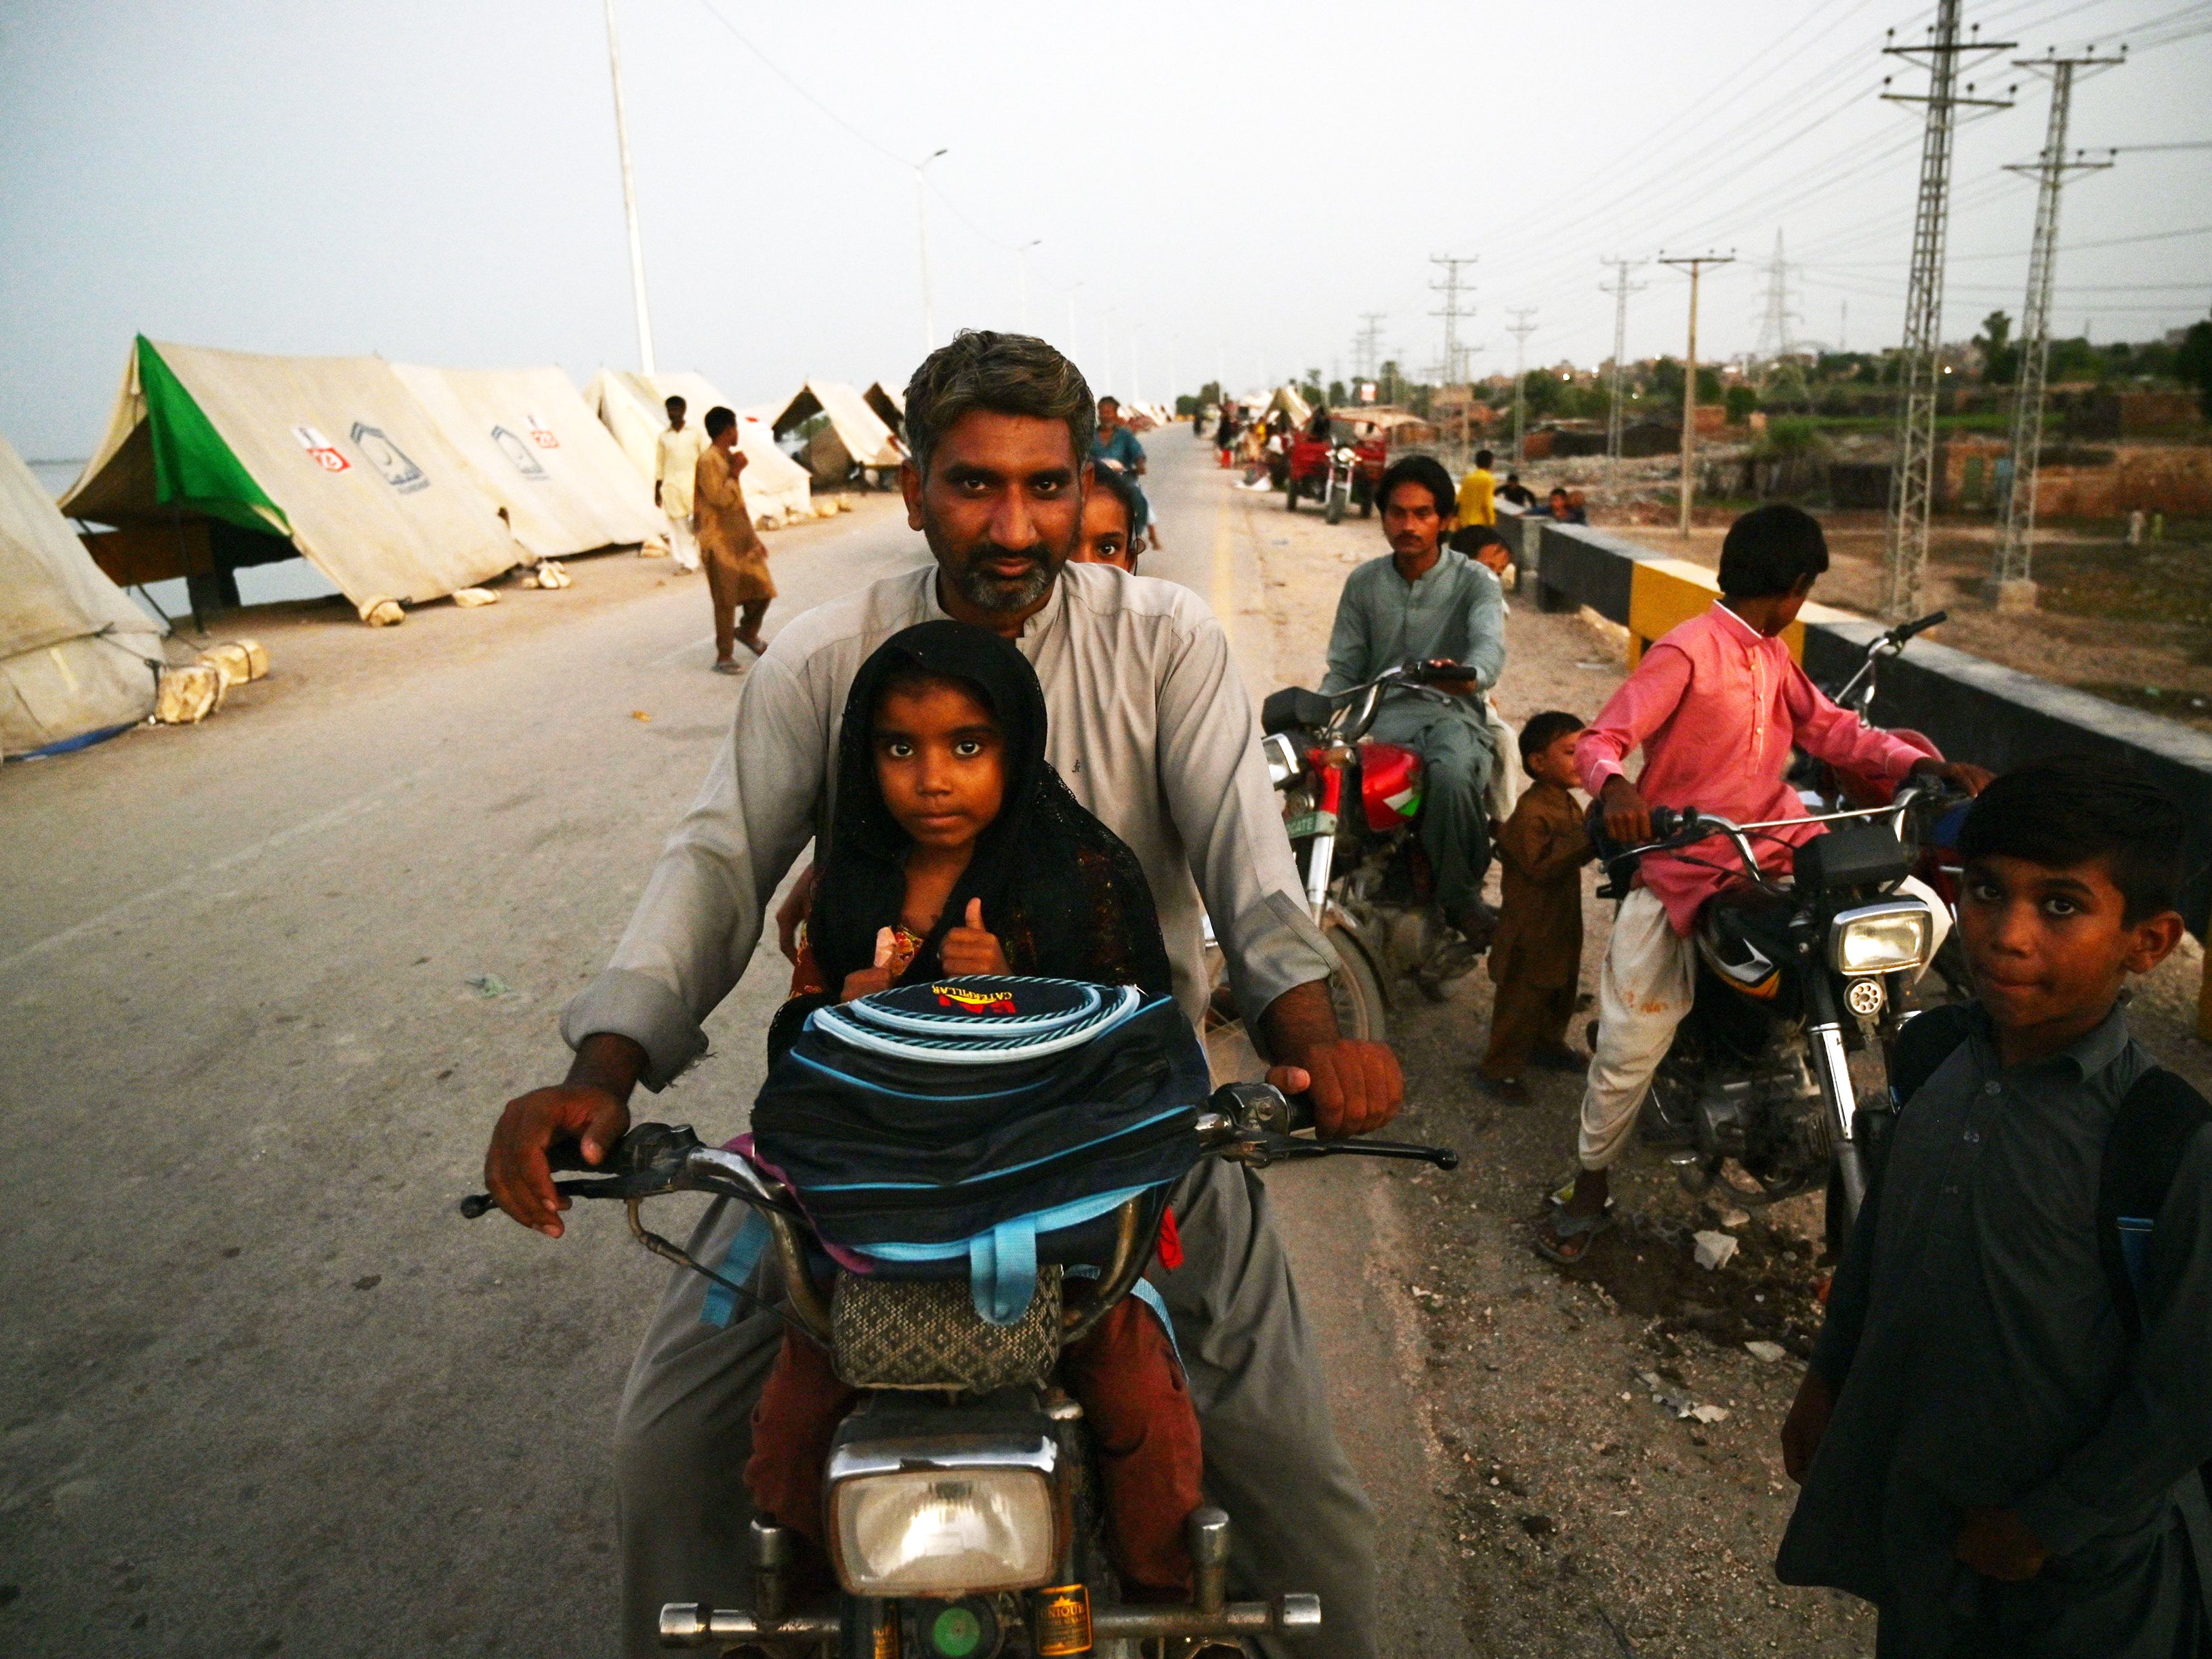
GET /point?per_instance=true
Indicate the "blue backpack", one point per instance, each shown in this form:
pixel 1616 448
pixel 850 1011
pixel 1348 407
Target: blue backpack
pixel 983 1125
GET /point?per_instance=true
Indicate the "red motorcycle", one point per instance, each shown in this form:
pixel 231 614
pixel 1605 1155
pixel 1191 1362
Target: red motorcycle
pixel 1335 471
pixel 1351 807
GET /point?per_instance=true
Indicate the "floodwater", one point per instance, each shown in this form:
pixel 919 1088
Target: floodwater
pixel 261 584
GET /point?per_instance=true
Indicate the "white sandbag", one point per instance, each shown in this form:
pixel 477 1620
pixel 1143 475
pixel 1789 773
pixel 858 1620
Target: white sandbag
pixel 238 661
pixel 189 695
pixel 470 597
pixel 383 613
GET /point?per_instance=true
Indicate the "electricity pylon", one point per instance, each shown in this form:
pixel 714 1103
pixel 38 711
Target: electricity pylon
pixel 2014 573
pixel 1621 288
pixel 1912 484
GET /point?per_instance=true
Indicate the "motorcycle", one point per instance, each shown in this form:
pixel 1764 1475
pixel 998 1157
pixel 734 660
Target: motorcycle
pixel 1335 471
pixel 962 1513
pixel 1351 807
pixel 1792 979
pixel 1825 788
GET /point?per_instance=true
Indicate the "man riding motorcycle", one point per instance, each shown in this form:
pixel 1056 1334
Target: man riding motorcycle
pixel 1426 601
pixel 1152 732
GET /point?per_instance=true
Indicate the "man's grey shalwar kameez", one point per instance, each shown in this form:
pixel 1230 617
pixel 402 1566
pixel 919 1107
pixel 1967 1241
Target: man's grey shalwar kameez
pixel 1152 729
pixel 1456 610
pixel 1979 1359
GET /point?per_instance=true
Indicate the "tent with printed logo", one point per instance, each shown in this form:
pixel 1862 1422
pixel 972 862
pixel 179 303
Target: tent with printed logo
pixel 850 437
pixel 331 458
pixel 78 659
pixel 563 482
pixel 632 407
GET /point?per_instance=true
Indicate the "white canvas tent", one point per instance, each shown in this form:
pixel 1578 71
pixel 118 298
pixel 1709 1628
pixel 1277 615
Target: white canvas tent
pixel 889 405
pixel 77 658
pixel 562 480
pixel 630 406
pixel 332 453
pixel 854 435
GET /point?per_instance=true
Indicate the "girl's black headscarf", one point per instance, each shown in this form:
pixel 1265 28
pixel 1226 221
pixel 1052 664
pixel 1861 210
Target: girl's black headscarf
pixel 1063 893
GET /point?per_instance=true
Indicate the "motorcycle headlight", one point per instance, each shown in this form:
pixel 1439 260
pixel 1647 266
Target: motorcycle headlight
pixel 943 1532
pixel 1283 765
pixel 1343 455
pixel 1881 938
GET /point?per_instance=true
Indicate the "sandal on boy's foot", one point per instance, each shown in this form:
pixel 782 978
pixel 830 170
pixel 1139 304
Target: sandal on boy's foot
pixel 1502 1088
pixel 728 665
pixel 1565 1238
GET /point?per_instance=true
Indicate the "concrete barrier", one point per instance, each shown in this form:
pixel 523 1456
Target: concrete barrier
pixel 1972 709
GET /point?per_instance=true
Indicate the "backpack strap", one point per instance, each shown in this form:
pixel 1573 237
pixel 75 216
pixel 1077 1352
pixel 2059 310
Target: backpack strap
pixel 1923 1044
pixel 2149 1133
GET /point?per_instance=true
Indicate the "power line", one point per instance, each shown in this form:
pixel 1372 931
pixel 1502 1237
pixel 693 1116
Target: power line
pixel 1695 264
pixel 1521 328
pixel 1454 354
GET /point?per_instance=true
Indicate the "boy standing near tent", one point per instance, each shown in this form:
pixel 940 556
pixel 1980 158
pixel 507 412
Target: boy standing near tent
pixel 737 564
pixel 675 460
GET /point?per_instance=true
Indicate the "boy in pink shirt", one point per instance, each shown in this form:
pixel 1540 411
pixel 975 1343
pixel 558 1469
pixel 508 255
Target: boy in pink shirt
pixel 1716 706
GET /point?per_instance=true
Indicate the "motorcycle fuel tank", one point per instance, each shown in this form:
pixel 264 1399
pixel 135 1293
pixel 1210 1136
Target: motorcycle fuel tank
pixel 1389 784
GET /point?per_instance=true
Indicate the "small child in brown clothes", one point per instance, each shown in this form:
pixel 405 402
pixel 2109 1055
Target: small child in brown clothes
pixel 1536 958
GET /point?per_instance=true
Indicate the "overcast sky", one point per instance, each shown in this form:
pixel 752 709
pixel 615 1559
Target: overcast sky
pixel 1232 187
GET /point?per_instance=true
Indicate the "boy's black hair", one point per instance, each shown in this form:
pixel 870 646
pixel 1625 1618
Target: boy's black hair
pixel 1770 550
pixel 675 403
pixel 1471 539
pixel 1429 473
pixel 719 420
pixel 1540 731
pixel 1483 459
pixel 2075 809
pixel 1123 489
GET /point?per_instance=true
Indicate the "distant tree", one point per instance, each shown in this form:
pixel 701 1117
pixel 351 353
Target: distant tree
pixel 1210 393
pixel 2192 364
pixel 2000 356
pixel 1540 386
pixel 1337 394
pixel 2075 360
pixel 1740 400
pixel 1665 383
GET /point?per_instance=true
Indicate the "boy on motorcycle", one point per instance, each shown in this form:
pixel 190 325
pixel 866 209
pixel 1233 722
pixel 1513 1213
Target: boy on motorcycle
pixel 1716 705
pixel 1425 600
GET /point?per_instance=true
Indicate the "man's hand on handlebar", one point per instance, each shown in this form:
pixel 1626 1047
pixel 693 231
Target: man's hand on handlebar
pixel 1356 1087
pixel 590 1111
pixel 1627 814
pixel 1967 778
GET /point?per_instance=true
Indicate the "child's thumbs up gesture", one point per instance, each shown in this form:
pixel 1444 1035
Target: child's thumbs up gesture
pixel 865 982
pixel 969 950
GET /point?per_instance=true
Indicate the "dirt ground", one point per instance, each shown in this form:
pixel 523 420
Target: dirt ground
pixel 1593 1517
pixel 2131 625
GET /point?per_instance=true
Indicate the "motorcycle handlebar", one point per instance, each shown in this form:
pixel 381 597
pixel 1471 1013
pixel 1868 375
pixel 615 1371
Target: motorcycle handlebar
pixel 1905 631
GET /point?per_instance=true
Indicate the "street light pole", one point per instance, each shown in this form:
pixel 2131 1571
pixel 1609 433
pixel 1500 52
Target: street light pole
pixel 1022 268
pixel 629 202
pixel 922 223
pixel 1696 264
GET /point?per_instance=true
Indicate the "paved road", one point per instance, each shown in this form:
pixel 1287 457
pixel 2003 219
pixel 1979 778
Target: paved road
pixel 263 986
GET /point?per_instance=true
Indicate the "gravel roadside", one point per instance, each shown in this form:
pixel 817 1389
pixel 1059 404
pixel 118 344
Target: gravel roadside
pixel 1610 1443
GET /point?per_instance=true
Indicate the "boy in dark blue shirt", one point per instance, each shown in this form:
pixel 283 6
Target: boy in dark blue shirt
pixel 1999 1440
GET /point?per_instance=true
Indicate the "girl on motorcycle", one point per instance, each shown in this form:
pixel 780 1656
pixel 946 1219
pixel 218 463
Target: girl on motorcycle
pixel 955 849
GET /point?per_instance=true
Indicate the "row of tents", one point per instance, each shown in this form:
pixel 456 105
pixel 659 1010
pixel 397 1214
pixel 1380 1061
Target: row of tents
pixel 402 483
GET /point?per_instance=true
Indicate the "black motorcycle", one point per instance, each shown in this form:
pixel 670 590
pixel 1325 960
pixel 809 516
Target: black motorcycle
pixel 1794 976
pixel 962 1506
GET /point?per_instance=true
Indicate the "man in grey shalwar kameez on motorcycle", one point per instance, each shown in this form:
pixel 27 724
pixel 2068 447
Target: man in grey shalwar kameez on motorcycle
pixel 1426 600
pixel 1153 733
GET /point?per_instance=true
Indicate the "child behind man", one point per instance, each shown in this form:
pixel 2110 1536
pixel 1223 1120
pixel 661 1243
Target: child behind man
pixel 2001 1433
pixel 1536 959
